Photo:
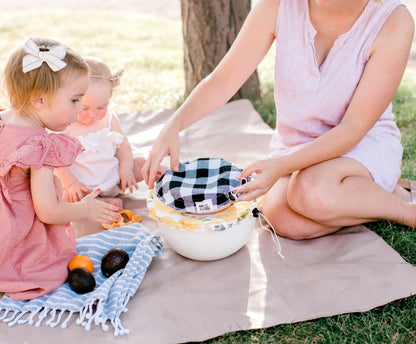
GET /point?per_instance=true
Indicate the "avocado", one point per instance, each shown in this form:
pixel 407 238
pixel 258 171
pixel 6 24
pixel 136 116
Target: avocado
pixel 81 281
pixel 113 260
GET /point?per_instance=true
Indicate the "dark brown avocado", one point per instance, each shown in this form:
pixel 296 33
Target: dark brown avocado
pixel 113 260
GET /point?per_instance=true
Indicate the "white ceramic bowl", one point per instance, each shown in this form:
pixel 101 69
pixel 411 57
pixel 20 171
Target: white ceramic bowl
pixel 208 245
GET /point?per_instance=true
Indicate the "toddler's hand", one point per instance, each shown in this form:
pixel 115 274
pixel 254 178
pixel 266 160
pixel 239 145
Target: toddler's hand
pixel 127 180
pixel 99 211
pixel 76 191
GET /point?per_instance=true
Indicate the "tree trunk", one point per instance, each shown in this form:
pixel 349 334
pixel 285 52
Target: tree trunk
pixel 209 29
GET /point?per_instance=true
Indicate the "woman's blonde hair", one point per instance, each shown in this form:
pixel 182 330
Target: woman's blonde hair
pixel 19 86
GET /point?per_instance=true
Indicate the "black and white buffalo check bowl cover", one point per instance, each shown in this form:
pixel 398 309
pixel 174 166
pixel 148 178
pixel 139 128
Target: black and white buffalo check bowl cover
pixel 202 185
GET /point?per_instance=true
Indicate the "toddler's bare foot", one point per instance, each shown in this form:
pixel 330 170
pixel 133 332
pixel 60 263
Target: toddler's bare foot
pixel 118 202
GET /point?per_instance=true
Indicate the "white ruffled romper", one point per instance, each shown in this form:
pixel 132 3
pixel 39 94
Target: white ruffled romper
pixel 97 166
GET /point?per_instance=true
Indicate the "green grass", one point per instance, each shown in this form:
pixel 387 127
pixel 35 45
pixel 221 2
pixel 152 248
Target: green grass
pixel 150 51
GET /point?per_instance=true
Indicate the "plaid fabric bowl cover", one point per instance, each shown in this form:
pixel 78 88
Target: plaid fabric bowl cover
pixel 199 186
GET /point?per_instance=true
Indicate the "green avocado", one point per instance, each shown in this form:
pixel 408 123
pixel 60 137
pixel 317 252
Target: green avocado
pixel 113 260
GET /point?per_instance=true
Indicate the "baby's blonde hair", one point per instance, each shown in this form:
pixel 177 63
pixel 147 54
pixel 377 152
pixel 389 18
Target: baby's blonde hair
pixel 100 72
pixel 20 86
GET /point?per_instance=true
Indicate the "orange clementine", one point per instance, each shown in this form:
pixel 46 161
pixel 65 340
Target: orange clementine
pixel 107 225
pixel 126 215
pixel 127 218
pixel 81 261
pixel 136 218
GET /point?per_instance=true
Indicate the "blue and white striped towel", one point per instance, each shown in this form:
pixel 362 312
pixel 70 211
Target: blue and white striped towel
pixel 110 296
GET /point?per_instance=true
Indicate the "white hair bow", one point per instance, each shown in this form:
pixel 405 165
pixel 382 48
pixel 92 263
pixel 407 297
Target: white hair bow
pixel 53 57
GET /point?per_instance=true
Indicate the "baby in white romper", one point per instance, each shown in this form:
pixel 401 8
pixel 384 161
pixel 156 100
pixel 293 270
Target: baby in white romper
pixel 107 162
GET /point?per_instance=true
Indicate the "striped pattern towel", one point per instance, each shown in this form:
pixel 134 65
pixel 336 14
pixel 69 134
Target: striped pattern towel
pixel 110 296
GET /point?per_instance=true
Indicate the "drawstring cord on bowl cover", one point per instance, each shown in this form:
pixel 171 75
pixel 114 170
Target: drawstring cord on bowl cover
pixel 233 195
pixel 257 213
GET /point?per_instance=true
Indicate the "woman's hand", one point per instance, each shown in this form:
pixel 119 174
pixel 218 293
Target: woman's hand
pixel 99 211
pixel 76 191
pixel 127 180
pixel 264 174
pixel 166 144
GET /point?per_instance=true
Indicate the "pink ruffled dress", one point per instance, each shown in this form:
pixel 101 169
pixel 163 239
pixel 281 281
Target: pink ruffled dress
pixel 312 99
pixel 33 255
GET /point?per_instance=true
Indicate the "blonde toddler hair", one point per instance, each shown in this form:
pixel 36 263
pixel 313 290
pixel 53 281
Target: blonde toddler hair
pixel 19 86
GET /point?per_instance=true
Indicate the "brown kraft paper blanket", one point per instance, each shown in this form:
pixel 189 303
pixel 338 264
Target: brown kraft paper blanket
pixel 182 300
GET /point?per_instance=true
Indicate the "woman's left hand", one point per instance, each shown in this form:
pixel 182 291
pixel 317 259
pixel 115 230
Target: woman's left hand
pixel 264 174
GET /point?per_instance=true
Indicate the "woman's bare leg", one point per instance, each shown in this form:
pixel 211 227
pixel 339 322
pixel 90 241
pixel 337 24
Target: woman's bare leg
pixel 402 193
pixel 325 197
pixel 285 220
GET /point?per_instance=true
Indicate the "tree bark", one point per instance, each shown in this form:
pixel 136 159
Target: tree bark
pixel 209 29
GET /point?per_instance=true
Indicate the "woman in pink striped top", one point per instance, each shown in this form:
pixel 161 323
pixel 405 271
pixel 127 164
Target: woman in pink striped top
pixel 336 154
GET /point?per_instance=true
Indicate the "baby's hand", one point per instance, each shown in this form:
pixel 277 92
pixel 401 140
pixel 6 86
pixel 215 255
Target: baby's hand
pixel 127 179
pixel 76 191
pixel 99 211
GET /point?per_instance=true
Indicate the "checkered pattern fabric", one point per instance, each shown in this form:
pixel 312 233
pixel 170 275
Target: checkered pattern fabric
pixel 199 186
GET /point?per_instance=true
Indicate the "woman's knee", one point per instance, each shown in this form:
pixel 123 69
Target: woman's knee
pixel 312 197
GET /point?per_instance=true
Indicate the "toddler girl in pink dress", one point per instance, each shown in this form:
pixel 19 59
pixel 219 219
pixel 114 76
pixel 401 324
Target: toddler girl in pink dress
pixel 45 82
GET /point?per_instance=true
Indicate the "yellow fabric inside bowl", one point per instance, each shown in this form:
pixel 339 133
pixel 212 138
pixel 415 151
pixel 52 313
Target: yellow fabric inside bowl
pixel 198 223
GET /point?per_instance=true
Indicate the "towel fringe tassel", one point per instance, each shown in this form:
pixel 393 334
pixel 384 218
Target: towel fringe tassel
pixel 87 316
pixel 65 323
pixel 55 317
pixel 17 317
pixel 30 318
pixel 9 319
pixel 6 311
pixel 59 318
pixel 42 316
pixel 118 328
pixel 52 314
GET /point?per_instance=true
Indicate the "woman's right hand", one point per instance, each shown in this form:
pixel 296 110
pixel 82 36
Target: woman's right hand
pixel 166 144
pixel 99 211
pixel 266 173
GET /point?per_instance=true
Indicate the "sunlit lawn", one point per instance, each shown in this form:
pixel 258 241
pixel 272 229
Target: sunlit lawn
pixel 150 52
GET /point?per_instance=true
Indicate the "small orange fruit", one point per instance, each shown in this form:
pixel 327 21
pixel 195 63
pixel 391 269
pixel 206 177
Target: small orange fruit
pixel 126 215
pixel 81 261
pixel 136 218
pixel 127 218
